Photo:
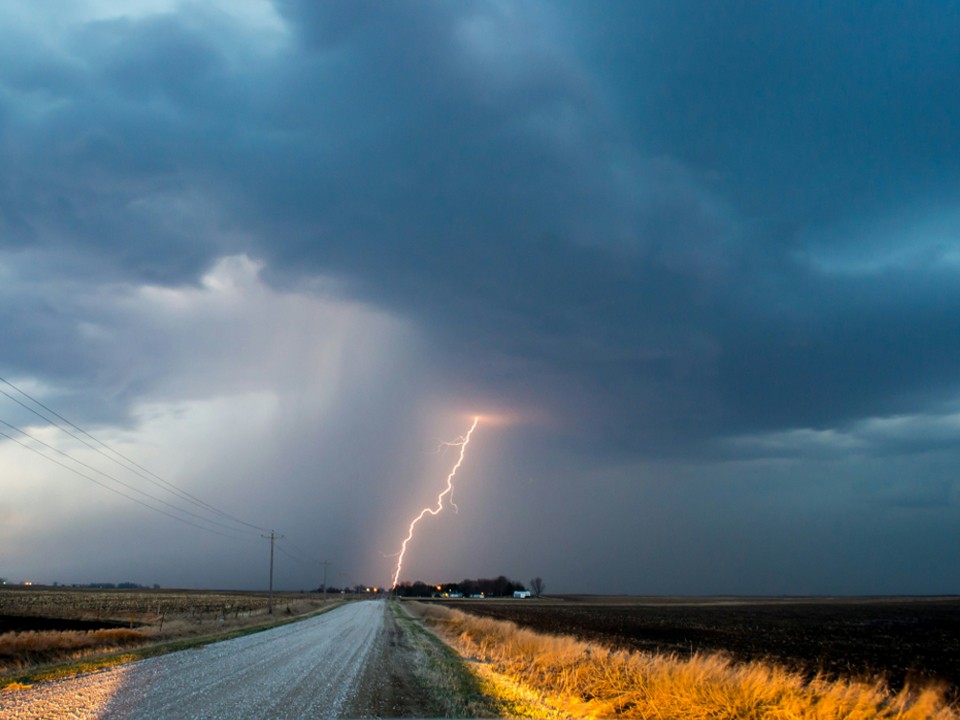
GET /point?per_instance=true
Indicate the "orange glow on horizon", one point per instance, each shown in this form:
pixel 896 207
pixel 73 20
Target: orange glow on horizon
pixel 499 419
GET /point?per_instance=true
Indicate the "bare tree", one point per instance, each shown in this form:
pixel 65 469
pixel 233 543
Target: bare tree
pixel 537 585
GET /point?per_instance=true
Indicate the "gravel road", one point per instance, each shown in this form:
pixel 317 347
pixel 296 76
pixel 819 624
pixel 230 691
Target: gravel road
pixel 311 668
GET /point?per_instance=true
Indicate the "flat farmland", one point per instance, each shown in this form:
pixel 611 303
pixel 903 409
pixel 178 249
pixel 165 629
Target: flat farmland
pixel 903 640
pixel 22 606
pixel 44 626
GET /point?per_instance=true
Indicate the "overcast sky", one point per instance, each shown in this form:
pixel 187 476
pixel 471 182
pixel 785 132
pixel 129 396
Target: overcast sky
pixel 696 265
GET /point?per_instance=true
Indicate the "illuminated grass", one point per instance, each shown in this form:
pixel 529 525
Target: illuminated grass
pixel 23 648
pixel 573 678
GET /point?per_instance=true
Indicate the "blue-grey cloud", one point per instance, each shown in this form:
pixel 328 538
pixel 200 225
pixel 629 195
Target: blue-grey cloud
pixel 673 230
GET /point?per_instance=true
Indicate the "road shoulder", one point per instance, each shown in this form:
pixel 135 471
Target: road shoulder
pixel 411 673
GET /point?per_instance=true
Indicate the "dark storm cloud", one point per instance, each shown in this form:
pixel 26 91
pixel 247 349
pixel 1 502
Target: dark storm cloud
pixel 710 249
pixel 808 111
pixel 97 163
pixel 628 213
pixel 857 347
pixel 603 208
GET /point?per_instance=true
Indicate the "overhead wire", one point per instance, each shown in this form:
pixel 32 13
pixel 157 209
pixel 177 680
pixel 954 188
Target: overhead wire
pixel 292 551
pixel 111 477
pixel 290 555
pixel 136 468
pixel 299 557
pixel 115 490
pixel 297 553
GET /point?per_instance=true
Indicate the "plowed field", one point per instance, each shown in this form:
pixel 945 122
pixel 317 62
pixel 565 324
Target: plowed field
pixel 900 639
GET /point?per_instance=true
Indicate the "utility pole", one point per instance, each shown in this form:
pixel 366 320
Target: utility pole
pixel 324 563
pixel 273 536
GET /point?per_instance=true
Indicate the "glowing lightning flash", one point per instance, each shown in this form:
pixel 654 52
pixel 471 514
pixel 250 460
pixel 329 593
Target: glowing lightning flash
pixel 462 442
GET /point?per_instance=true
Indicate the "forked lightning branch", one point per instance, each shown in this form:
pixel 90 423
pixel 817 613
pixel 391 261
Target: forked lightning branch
pixel 462 442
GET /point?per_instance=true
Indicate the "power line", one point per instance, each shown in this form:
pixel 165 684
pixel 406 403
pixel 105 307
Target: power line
pixel 289 555
pixel 305 556
pixel 322 563
pixel 111 477
pixel 118 492
pixel 168 486
pixel 137 469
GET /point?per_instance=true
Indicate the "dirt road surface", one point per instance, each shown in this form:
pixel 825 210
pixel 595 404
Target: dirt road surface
pixel 319 667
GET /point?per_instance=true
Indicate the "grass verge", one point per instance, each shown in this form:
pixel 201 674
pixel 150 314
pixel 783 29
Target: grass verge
pixel 22 679
pixel 441 673
pixel 537 675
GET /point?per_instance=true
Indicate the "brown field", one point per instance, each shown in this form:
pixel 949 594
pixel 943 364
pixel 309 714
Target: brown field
pixel 121 605
pixel 533 674
pixel 901 640
pixel 39 626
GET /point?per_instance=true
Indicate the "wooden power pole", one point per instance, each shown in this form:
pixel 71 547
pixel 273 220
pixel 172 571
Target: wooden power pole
pixel 325 563
pixel 273 536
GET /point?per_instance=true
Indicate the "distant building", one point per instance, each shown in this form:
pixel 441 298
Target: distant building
pixel 521 593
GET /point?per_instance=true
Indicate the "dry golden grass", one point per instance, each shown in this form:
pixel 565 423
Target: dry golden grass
pixel 581 679
pixel 22 649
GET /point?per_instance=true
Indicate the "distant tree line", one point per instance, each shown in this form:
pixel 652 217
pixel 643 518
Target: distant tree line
pixel 537 586
pixel 488 587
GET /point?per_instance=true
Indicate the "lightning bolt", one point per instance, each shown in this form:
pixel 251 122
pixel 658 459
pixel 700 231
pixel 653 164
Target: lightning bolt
pixel 448 490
